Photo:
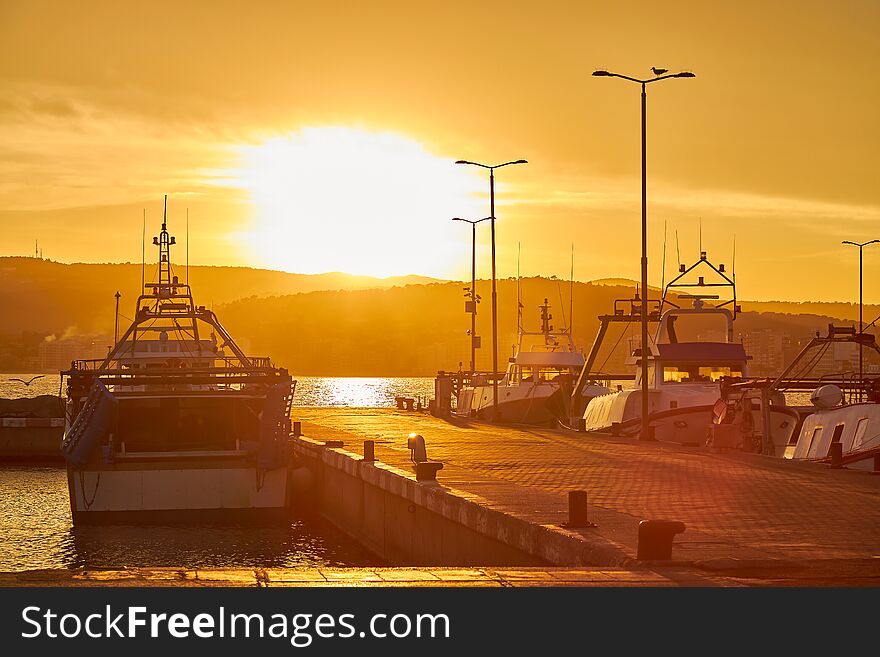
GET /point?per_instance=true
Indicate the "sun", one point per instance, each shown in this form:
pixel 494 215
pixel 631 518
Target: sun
pixel 350 200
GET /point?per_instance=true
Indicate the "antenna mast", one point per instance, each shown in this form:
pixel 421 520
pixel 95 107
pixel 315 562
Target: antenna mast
pixel 733 264
pixel 143 248
pixel 545 320
pixel 164 242
pixel 116 320
pixel 571 293
pixel 663 270
pixel 187 246
pixel 519 305
pixel 677 249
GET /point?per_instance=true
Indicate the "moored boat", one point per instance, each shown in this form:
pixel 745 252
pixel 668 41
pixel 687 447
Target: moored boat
pixel 543 361
pixel 177 422
pixel 845 408
pixel 692 353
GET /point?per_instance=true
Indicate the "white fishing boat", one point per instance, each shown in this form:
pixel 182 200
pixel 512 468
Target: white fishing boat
pixel 530 389
pixel 176 422
pixel 693 350
pixel 845 407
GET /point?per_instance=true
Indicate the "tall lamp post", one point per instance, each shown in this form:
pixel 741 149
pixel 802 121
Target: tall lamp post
pixel 473 294
pixel 861 246
pixel 494 293
pixel 660 74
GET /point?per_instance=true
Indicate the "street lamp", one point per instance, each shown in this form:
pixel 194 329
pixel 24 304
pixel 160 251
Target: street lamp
pixel 660 75
pixel 861 246
pixel 473 294
pixel 494 293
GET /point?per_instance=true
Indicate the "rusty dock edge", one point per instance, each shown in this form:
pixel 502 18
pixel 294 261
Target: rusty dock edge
pixel 403 520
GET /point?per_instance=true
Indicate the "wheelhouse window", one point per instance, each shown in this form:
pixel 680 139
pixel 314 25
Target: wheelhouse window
pixel 814 442
pixel 859 435
pixel 696 373
pixel 527 374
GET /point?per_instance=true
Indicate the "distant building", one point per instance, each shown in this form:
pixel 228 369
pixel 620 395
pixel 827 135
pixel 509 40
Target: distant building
pixel 55 354
pixel 769 350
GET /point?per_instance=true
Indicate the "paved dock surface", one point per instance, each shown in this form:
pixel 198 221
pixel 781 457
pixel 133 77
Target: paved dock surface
pixel 369 577
pixel 744 513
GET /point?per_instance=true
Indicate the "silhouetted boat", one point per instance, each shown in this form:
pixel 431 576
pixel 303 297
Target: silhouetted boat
pixel 176 422
pixel 532 383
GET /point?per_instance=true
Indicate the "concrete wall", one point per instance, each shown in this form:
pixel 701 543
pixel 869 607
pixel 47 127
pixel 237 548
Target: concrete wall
pixel 408 522
pixel 391 514
pixel 31 443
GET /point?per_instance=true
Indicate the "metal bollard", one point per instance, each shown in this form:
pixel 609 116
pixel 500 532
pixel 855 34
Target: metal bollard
pixel 369 451
pixel 836 454
pixel 417 449
pixel 427 470
pixel 333 443
pixel 577 510
pixel 297 429
pixel 655 539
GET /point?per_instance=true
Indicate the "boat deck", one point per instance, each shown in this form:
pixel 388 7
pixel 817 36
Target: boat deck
pixel 741 510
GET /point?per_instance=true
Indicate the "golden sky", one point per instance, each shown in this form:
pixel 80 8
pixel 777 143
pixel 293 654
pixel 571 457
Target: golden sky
pixel 321 136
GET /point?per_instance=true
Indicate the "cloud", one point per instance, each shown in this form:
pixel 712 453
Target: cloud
pixel 615 194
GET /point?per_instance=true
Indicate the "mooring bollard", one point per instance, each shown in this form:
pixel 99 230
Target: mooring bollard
pixel 418 452
pixel 297 429
pixel 369 451
pixel 577 510
pixel 836 454
pixel 425 470
pixel 876 470
pixel 655 539
pixel 333 443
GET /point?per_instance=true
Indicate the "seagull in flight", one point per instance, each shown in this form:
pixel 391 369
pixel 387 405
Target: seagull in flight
pixel 659 71
pixel 30 381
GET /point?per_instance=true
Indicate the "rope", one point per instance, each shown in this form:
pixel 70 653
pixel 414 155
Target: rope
pixel 610 353
pixel 810 364
pixel 82 485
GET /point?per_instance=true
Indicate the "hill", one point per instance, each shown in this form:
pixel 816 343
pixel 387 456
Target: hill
pixel 47 297
pixel 419 329
pixel 336 324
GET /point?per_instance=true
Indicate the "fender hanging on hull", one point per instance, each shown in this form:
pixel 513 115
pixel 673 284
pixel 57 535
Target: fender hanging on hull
pixel 96 420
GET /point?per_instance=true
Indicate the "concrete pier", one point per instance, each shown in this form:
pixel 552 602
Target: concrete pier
pixel 368 577
pixel 655 576
pixel 507 487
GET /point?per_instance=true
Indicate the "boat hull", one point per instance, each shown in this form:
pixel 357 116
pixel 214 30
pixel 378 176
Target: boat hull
pixel 516 409
pixel 855 426
pixel 688 422
pixel 166 492
pixel 523 404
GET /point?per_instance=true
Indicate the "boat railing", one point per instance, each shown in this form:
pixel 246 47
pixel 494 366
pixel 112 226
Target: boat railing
pixel 225 362
pixel 848 381
pixel 624 307
pixel 462 379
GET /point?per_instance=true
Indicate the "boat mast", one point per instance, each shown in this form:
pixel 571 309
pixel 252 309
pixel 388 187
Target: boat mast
pixel 519 304
pixel 164 241
pixel 545 322
pixel 571 293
